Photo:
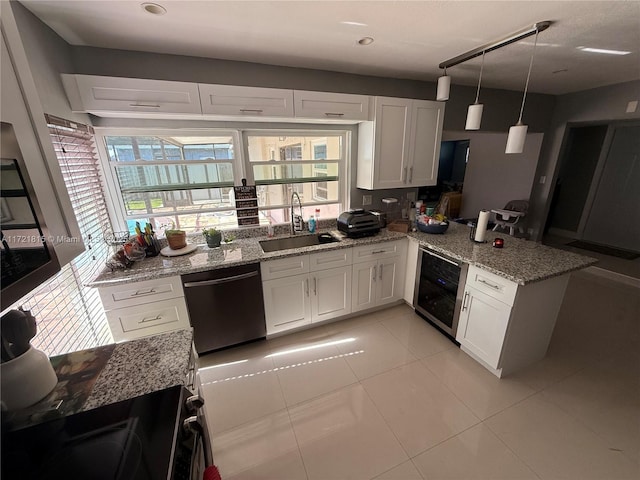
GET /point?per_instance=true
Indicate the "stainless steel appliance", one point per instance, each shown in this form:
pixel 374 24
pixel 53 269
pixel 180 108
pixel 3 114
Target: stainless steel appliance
pixel 225 306
pixel 358 223
pixel 437 297
pixel 27 253
pixel 160 435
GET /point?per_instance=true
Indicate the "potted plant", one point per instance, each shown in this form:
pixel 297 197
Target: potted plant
pixel 213 237
pixel 176 238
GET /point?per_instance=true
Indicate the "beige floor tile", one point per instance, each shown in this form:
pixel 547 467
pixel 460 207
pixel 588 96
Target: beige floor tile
pixel 306 374
pixel 420 410
pixel 343 436
pixel 238 388
pixel 262 449
pixel 474 454
pixel 480 390
pixel 415 333
pixel 556 445
pixel 374 350
pixel 606 398
pixel 404 471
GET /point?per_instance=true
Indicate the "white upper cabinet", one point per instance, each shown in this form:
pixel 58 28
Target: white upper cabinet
pixel 101 95
pixel 401 146
pixel 247 101
pixel 331 106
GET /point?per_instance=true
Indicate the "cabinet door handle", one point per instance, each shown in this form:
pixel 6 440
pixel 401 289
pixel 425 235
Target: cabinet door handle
pixel 306 287
pixel 150 319
pixel 332 114
pixel 375 272
pixel 315 286
pixel 410 174
pixel 250 110
pixel 464 301
pixel 489 284
pixel 380 277
pixel 404 175
pixel 139 293
pixel 146 105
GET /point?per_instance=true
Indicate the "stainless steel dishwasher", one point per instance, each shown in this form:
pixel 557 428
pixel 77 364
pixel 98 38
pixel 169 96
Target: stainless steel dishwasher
pixel 225 306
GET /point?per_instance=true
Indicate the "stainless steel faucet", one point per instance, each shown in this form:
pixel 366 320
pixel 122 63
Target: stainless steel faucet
pixel 296 220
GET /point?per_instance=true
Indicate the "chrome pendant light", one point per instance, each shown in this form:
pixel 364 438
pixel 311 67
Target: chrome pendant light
pixel 518 132
pixel 474 113
pixel 444 84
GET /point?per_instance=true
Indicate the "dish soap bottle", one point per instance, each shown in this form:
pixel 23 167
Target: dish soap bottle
pixel 312 224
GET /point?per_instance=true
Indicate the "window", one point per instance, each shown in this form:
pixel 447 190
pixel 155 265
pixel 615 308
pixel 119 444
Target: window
pixel 70 316
pixel 309 163
pixel 184 181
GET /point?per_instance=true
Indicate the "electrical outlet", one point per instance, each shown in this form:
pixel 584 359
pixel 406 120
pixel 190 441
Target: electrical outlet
pixel 411 196
pixel 366 200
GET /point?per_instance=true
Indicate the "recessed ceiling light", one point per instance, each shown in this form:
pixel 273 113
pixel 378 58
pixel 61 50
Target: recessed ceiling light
pixel 153 8
pixel 357 24
pixel 365 41
pixel 602 50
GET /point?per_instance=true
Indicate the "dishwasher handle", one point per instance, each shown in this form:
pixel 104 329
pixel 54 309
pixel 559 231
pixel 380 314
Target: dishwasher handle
pixel 219 281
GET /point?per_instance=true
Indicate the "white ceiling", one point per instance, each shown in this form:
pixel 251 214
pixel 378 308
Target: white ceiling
pixel 411 37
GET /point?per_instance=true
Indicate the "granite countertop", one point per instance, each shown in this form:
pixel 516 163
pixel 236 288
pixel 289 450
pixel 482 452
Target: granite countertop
pixel 520 261
pixel 239 252
pixel 103 375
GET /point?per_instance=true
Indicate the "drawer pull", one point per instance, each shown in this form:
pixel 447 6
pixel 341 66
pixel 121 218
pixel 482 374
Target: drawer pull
pixel 375 252
pixel 251 110
pixel 331 114
pixel 489 284
pixel 146 105
pixel 151 319
pixel 139 293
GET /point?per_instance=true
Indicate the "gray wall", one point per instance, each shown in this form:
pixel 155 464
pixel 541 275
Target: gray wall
pixel 598 105
pixel 48 55
pixel 492 177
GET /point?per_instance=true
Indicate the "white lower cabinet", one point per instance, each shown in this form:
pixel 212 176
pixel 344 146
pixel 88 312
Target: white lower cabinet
pixel 144 308
pixel 482 325
pixel 292 302
pixel 377 282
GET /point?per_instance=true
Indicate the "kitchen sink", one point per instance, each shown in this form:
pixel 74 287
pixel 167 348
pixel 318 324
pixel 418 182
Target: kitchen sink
pixel 296 242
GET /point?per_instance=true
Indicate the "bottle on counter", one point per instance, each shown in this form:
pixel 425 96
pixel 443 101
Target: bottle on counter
pixel 312 224
pixel 317 215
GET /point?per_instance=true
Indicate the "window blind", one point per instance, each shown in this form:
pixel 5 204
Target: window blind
pixel 70 316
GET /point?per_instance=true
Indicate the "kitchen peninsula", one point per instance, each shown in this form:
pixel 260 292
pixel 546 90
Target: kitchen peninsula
pixel 512 295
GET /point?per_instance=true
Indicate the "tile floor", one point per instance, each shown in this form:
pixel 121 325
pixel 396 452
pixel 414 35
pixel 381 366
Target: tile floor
pixel 385 396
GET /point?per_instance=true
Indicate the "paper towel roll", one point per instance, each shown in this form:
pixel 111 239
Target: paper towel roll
pixel 481 229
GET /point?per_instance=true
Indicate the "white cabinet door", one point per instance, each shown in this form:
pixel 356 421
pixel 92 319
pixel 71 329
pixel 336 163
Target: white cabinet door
pixel 246 101
pixel 391 142
pixel 482 326
pixel 331 106
pixel 331 293
pixel 364 285
pixel 115 94
pixel 424 142
pixel 287 303
pixel 389 282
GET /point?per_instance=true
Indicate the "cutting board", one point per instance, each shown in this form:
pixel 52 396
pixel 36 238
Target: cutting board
pixel 167 252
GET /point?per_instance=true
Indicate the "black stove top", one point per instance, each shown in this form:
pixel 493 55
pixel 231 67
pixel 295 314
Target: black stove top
pixel 133 439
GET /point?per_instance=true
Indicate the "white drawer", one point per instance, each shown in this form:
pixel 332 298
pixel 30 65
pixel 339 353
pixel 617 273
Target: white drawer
pixel 148 319
pixel 493 285
pixel 377 251
pixel 130 294
pixel 331 259
pixel 284 267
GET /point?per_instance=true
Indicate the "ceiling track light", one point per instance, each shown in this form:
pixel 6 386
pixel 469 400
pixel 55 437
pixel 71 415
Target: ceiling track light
pixel 474 113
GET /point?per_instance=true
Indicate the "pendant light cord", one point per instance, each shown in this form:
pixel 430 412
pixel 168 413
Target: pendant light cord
pixel 526 86
pixel 480 78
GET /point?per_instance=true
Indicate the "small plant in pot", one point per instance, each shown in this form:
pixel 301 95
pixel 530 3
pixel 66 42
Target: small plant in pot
pixel 176 238
pixel 213 237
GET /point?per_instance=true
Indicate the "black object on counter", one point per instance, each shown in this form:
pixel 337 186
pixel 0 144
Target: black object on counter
pixel 498 242
pixel 358 223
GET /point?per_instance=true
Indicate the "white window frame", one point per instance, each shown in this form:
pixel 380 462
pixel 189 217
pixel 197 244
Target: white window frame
pixel 242 168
